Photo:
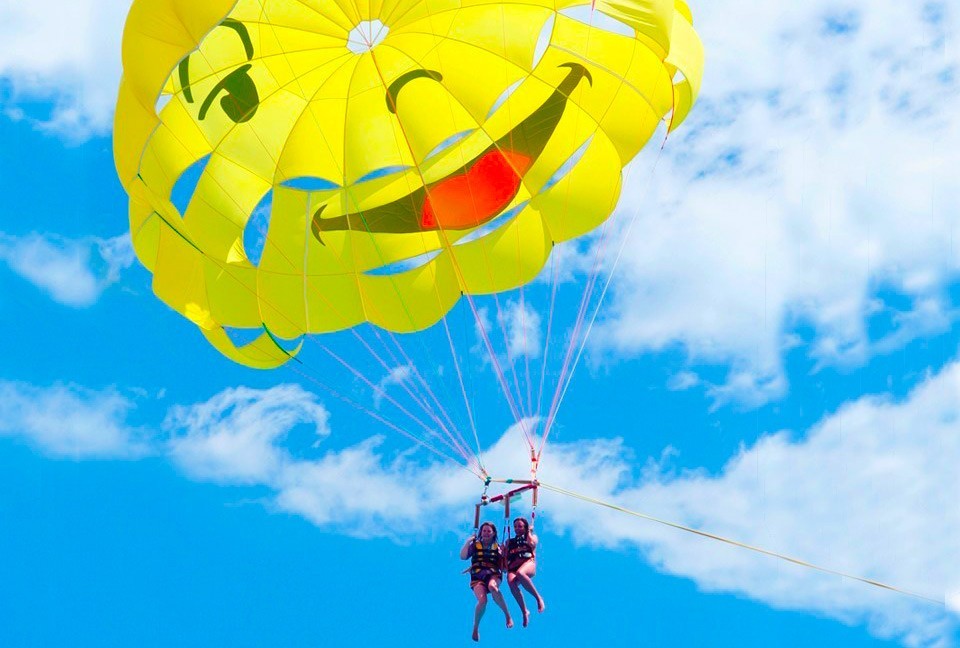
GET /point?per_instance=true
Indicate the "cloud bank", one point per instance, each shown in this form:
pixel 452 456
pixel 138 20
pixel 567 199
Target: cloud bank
pixel 816 172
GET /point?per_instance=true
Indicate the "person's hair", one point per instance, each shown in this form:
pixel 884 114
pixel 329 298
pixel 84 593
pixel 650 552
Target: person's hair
pixel 526 525
pixel 492 526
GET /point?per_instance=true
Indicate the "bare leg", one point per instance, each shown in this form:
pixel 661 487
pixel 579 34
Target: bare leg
pixel 494 587
pixel 517 594
pixel 524 577
pixel 481 593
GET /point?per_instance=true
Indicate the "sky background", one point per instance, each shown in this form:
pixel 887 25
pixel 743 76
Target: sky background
pixel 775 362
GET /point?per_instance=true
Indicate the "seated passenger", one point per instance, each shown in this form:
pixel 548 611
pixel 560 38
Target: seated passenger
pixel 521 558
pixel 486 563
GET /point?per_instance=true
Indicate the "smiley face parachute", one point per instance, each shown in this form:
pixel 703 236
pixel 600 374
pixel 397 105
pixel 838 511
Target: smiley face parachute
pixel 397 154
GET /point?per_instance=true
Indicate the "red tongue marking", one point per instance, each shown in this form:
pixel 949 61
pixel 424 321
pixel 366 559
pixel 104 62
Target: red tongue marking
pixel 468 199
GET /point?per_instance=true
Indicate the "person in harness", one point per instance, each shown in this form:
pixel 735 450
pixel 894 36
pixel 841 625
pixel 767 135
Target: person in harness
pixel 486 563
pixel 521 561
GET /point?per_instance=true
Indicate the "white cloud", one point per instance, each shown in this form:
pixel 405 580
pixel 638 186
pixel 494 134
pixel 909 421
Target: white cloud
pixel 73 272
pixel 396 376
pixel 65 52
pixel 818 167
pixel 953 601
pixel 683 381
pixel 69 421
pixel 517 333
pixel 234 437
pixel 238 437
pixel 521 326
pixel 870 491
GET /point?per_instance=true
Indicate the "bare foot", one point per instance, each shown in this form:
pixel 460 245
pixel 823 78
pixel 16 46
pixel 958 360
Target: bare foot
pixel 509 622
pixel 526 618
pixel 476 634
pixel 541 606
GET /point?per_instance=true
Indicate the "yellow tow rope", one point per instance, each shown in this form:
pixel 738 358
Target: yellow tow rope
pixel 735 543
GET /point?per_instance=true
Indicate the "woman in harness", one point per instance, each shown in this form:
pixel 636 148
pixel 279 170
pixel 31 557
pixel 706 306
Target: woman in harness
pixel 521 558
pixel 486 563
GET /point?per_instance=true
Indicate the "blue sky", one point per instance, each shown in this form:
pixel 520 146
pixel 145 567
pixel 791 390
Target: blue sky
pixel 775 362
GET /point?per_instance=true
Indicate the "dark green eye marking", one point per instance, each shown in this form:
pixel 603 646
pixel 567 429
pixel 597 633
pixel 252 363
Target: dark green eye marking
pixel 242 100
pixel 403 80
pixel 242 32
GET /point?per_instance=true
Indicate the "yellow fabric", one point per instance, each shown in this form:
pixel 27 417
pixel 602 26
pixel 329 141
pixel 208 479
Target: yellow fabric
pixel 348 143
pixel 686 55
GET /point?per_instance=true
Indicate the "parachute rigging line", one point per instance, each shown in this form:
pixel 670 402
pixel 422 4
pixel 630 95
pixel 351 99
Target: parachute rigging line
pixel 226 270
pixel 567 371
pixel 455 435
pixel 446 242
pixel 292 367
pixel 426 385
pixel 603 294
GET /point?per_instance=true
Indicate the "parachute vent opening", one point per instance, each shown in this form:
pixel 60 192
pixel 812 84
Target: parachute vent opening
pixel 310 183
pixel 543 41
pixel 162 102
pixel 493 225
pixel 242 336
pixel 255 231
pixel 382 172
pixel 504 96
pixel 450 141
pixel 366 35
pixel 186 184
pixel 567 166
pixel 412 263
pixel 598 20
pixel 399 267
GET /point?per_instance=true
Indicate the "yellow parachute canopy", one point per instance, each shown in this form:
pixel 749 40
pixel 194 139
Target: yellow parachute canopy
pixel 404 151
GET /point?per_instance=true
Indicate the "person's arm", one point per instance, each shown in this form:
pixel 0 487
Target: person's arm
pixel 467 550
pixel 532 539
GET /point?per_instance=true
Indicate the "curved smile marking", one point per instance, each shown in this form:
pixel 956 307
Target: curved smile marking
pixel 475 193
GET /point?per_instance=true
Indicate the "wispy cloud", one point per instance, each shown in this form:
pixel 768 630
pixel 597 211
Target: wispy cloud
pixel 816 169
pixel 516 334
pixel 67 53
pixel 235 437
pixel 72 272
pixel 241 436
pixel 683 381
pixel 396 376
pixel 521 325
pixel 68 421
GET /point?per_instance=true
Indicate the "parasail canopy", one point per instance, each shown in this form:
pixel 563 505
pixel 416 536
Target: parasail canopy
pixel 303 166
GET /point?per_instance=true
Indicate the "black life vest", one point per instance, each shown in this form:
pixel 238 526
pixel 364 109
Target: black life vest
pixel 518 549
pixel 485 557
